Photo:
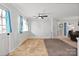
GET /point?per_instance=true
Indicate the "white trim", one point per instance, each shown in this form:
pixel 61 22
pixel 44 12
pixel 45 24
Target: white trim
pixel 77 46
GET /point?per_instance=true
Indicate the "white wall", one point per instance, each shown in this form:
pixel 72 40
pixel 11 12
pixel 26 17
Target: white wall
pixel 15 38
pixel 41 27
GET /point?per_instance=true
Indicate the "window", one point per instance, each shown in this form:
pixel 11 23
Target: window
pixel 5 24
pixel 23 24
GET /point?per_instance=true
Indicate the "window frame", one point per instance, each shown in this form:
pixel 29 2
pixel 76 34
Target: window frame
pixel 21 24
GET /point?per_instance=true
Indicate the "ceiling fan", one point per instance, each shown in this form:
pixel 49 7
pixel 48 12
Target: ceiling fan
pixel 42 15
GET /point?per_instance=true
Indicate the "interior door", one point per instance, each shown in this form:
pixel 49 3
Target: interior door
pixel 60 30
pixel 4 44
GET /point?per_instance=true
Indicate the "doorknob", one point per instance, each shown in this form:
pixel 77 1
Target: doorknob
pixel 8 33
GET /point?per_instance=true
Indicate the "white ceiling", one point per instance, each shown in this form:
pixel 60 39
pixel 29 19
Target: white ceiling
pixel 32 9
